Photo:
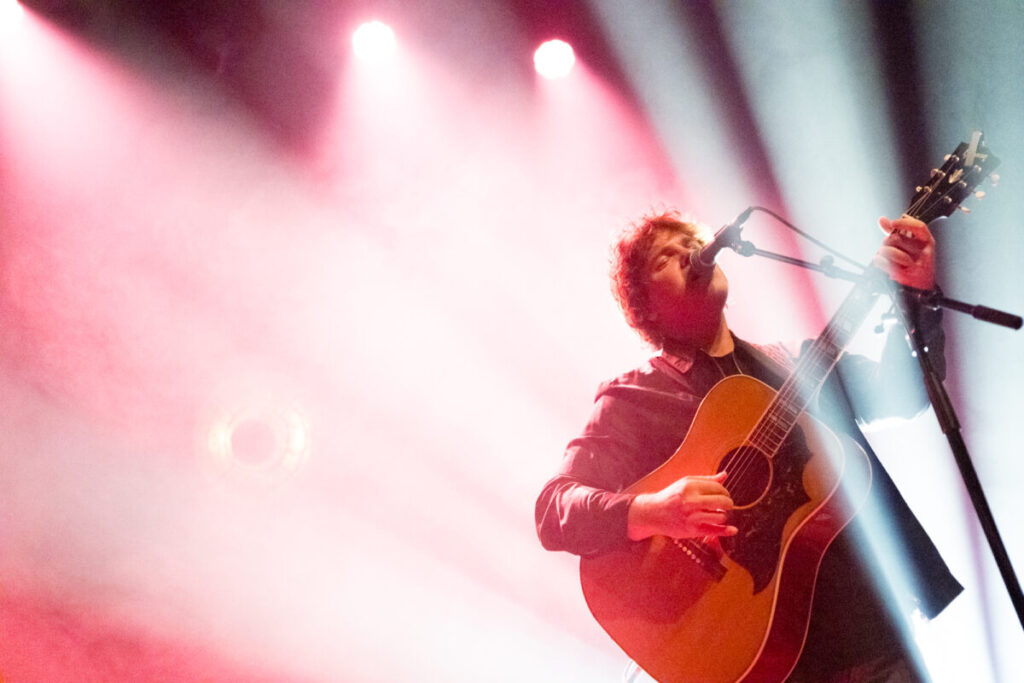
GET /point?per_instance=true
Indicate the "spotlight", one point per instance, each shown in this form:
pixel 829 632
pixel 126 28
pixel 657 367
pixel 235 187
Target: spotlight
pixel 554 59
pixel 11 10
pixel 373 42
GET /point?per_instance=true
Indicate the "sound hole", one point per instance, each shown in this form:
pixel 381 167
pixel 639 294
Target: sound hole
pixel 750 475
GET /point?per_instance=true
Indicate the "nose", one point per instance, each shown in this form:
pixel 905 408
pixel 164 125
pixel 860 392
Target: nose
pixel 695 273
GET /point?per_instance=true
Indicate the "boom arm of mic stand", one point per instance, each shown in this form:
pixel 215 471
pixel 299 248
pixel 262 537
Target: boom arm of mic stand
pixel 827 265
pixel 935 299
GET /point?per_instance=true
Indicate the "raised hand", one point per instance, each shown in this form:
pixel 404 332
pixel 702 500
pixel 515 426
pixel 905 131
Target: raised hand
pixel 907 254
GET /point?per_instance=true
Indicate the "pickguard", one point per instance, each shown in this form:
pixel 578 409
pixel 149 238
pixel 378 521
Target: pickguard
pixel 758 545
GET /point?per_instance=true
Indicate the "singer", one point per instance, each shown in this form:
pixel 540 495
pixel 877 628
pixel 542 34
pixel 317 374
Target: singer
pixel 640 418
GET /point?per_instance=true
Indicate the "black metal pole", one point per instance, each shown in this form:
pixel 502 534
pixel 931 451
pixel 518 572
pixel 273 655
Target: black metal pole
pixel 950 425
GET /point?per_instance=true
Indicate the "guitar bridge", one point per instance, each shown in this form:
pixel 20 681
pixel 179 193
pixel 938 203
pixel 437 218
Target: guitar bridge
pixel 702 556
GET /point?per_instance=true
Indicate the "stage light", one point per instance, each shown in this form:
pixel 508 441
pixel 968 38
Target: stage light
pixel 554 59
pixel 11 10
pixel 373 42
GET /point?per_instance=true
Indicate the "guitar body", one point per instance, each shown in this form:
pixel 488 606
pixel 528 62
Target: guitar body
pixel 706 611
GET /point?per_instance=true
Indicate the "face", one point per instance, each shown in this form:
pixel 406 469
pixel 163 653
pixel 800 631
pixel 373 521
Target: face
pixel 684 306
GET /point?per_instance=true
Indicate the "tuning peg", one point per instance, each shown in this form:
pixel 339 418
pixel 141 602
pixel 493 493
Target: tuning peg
pixel 964 209
pixel 979 195
pixel 995 179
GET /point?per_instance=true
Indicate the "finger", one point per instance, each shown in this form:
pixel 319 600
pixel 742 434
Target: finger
pixel 705 507
pixel 912 275
pixel 716 502
pixel 915 249
pixel 907 221
pixel 706 517
pixel 913 229
pixel 907 241
pixel 710 482
pixel 907 227
pixel 901 253
pixel 702 494
pixel 719 517
pixel 718 476
pixel 893 256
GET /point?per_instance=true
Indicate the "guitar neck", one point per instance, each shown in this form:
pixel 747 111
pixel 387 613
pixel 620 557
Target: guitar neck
pixel 815 364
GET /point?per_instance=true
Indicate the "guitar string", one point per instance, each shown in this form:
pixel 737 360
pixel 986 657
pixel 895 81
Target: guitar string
pixel 792 391
pixel 768 428
pixel 747 453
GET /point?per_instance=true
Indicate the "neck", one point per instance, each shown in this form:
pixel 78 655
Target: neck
pixel 717 343
pixel 722 343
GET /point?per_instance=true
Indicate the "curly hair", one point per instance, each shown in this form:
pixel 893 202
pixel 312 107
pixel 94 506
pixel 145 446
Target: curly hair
pixel 630 254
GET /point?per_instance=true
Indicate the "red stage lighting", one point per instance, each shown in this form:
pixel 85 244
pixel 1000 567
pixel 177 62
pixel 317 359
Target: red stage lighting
pixel 373 42
pixel 554 59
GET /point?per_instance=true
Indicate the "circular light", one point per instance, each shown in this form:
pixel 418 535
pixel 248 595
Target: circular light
pixel 11 10
pixel 254 442
pixel 259 445
pixel 554 59
pixel 373 42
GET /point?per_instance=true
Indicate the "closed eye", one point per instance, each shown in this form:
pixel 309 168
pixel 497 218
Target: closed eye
pixel 666 256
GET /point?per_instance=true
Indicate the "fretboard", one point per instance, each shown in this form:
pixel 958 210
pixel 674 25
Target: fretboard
pixel 815 363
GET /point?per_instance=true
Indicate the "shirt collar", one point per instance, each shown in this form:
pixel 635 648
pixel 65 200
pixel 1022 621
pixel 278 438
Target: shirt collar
pixel 680 359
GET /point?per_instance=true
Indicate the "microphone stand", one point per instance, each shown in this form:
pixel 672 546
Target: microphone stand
pixel 906 300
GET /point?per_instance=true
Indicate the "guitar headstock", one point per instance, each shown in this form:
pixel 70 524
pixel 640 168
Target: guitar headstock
pixel 950 184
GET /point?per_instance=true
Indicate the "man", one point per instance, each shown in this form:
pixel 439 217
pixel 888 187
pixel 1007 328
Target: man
pixel 641 417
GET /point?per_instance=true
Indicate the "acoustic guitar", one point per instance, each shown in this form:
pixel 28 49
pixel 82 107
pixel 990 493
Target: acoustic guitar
pixel 722 610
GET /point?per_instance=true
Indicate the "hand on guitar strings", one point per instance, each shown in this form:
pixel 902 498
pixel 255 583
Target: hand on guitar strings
pixel 692 507
pixel 907 254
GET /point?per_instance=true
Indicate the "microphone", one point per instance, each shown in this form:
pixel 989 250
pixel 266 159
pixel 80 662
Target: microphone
pixel 702 261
